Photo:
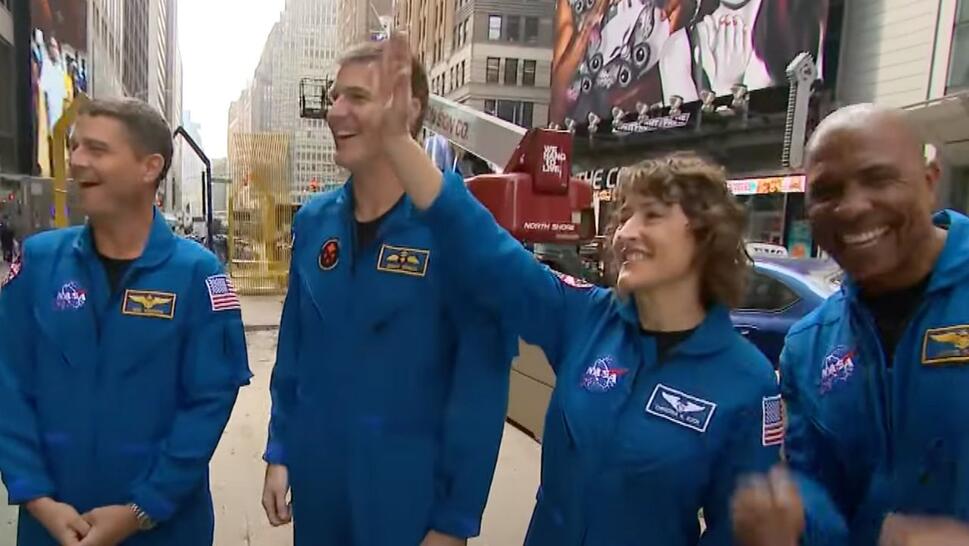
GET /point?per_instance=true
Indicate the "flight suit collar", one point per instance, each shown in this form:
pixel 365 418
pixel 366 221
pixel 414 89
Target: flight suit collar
pixel 402 212
pixel 952 265
pixel 709 337
pixel 161 242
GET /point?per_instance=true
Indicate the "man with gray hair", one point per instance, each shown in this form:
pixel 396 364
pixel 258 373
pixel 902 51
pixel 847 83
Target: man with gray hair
pixel 122 352
pixel 875 380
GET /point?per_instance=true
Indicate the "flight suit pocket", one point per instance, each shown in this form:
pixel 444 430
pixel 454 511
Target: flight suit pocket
pixel 649 444
pixel 142 341
pixel 67 339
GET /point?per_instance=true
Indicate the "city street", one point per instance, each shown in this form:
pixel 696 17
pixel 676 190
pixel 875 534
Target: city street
pixel 237 468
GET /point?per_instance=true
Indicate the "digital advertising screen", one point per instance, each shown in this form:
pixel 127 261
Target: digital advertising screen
pixel 59 66
pixel 617 53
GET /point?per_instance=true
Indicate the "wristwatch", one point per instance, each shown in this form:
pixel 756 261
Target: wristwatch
pixel 145 522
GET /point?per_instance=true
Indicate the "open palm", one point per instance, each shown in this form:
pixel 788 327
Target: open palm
pixel 395 88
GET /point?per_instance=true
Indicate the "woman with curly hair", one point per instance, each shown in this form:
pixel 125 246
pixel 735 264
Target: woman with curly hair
pixel 659 405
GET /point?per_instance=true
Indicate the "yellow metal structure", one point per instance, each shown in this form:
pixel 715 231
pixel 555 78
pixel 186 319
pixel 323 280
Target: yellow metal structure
pixel 260 212
pixel 59 152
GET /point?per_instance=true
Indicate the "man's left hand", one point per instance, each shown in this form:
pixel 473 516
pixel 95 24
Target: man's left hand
pixel 899 530
pixel 434 538
pixel 110 526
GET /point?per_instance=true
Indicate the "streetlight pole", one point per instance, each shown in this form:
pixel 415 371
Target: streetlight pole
pixel 206 182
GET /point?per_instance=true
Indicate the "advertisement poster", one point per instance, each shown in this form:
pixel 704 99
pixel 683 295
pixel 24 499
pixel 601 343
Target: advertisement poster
pixel 59 66
pixel 621 52
pixel 799 241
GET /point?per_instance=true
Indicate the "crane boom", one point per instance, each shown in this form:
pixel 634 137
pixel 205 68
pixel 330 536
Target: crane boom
pixel 486 136
pixel 534 196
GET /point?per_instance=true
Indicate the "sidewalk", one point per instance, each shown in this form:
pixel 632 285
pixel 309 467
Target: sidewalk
pixel 261 313
pixel 237 468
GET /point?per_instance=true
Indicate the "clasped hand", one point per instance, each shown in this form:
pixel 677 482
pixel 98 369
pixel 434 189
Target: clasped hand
pixel 106 526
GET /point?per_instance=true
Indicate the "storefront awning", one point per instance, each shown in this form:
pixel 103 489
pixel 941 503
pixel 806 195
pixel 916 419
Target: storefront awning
pixel 944 122
pixel 773 184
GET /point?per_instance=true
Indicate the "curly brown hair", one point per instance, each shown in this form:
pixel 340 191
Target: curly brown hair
pixel 718 221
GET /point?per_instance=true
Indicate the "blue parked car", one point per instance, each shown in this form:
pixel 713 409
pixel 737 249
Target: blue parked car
pixel 779 292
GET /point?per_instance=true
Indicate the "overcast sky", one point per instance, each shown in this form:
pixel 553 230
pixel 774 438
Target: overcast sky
pixel 221 41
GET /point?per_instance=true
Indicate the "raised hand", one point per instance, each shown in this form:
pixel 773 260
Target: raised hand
pixel 399 109
pixel 768 511
pixel 899 530
pixel 726 46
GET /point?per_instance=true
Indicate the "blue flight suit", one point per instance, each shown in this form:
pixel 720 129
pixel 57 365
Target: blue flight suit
pixel 867 438
pixel 110 398
pixel 634 445
pixel 389 391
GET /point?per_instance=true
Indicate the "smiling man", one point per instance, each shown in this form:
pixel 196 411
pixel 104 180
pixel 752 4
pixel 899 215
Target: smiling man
pixel 875 380
pixel 121 355
pixel 389 390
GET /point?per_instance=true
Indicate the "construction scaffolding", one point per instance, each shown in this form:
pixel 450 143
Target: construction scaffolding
pixel 260 212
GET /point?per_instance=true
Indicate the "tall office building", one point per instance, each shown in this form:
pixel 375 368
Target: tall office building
pixel 915 55
pixel 303 45
pixel 135 66
pixel 158 91
pixel 8 94
pixel 150 44
pixel 493 56
pixel 106 39
pixel 362 20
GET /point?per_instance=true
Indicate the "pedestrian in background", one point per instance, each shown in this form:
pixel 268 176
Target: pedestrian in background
pixel 659 405
pixel 7 239
pixel 389 390
pixel 874 380
pixel 121 355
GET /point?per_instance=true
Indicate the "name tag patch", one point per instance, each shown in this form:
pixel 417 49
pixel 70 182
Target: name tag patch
pixel 680 408
pixel 402 260
pixel 949 345
pixel 148 303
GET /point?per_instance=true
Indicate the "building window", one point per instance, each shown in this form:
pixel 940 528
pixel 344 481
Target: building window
pixel 531 29
pixel 528 73
pixel 511 71
pixel 463 73
pixel 959 63
pixel 491 73
pixel 494 27
pixel 517 112
pixel 513 28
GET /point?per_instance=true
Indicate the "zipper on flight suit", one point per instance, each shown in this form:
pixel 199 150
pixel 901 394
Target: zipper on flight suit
pixel 886 377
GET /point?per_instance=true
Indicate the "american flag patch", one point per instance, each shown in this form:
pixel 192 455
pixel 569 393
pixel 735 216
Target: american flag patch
pixel 773 422
pixel 222 294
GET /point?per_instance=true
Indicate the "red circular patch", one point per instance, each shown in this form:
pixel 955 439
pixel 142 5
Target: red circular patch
pixel 330 254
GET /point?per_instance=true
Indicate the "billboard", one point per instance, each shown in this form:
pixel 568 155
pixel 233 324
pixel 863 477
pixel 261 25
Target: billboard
pixel 616 53
pixel 59 66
